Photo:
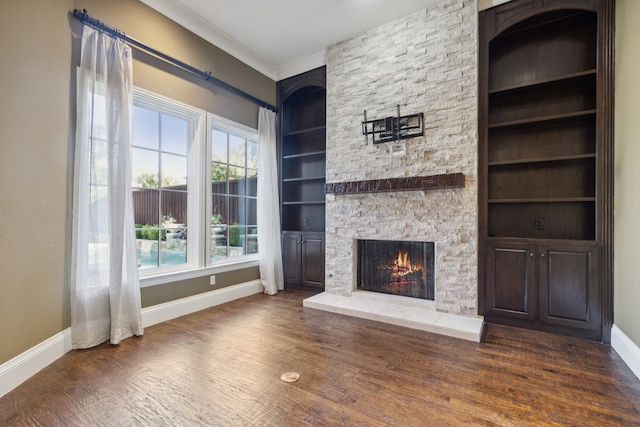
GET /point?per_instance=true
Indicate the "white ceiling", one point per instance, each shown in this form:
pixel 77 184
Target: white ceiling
pixel 281 38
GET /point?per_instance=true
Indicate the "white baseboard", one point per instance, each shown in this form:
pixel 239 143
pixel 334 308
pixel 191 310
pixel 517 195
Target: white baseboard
pixel 170 310
pixel 17 370
pixel 627 349
pixel 20 368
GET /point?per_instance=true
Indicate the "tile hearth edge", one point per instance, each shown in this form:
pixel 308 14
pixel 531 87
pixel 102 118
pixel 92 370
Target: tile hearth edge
pixel 400 311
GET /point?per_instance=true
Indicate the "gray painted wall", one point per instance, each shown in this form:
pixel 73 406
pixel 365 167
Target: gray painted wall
pixel 627 173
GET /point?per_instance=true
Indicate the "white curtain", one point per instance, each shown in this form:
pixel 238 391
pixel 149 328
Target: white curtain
pixel 105 287
pixel 269 245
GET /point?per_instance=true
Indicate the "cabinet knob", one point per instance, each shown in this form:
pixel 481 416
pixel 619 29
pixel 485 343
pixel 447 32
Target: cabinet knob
pixel 541 255
pixel 530 253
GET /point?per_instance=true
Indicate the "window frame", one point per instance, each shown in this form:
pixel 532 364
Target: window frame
pixel 228 126
pixel 200 123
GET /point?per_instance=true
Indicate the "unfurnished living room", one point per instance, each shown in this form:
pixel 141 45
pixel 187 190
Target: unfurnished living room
pixel 331 213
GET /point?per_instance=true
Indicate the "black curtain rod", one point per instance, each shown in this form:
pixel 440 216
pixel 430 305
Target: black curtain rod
pixel 84 17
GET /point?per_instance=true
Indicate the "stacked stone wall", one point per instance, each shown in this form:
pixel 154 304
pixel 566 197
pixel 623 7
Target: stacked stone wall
pixel 425 62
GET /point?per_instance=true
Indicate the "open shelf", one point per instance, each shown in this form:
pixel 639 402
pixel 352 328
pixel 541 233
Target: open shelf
pixel 303 191
pixel 572 219
pixel 299 167
pixel 303 216
pixel 542 160
pixel 306 132
pixel 309 154
pixel 572 138
pixel 559 43
pixel 543 180
pixel 306 202
pixel 540 119
pixel 551 81
pixel 306 178
pixel 543 200
pixel 304 111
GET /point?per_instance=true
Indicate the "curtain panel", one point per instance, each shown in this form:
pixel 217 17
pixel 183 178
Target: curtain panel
pixel 268 205
pixel 105 287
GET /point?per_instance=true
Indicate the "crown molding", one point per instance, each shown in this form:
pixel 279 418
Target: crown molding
pixel 488 4
pixel 307 63
pixel 196 25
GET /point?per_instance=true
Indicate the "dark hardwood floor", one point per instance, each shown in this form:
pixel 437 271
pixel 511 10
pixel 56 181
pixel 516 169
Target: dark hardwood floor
pixel 222 367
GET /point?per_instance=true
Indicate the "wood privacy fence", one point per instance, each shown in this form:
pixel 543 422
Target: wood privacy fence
pixel 149 204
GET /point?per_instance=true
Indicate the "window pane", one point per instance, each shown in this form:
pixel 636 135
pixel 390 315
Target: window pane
pixel 252 154
pixel 146 128
pixel 219 208
pixel 252 185
pixel 218 146
pixel 219 173
pixel 174 209
pixel 237 150
pixel 147 246
pixel 252 216
pixel 219 235
pixel 252 242
pixel 236 240
pixel 236 210
pixel 219 229
pixel 175 134
pixel 174 171
pixel 237 187
pixel 144 165
pixel 146 207
pixel 173 251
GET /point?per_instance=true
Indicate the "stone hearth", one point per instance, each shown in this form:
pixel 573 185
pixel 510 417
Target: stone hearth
pixel 401 311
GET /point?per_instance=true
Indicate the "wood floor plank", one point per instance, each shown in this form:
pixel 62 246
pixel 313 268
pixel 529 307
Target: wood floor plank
pixel 222 367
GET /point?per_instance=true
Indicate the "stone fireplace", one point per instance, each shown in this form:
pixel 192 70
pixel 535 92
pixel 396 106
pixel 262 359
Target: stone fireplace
pixel 426 63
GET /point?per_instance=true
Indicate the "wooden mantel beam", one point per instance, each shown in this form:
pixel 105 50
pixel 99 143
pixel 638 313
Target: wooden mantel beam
pixel 431 182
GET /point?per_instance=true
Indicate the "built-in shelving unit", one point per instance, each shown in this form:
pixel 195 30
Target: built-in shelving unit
pixel 302 147
pixel 545 159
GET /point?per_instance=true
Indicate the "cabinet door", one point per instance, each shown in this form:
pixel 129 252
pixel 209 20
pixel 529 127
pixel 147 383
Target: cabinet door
pixel 568 288
pixel 511 280
pixel 313 260
pixel 291 257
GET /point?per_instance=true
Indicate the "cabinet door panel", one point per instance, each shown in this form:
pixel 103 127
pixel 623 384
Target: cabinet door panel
pixel 291 257
pixel 313 261
pixel 510 280
pixel 568 290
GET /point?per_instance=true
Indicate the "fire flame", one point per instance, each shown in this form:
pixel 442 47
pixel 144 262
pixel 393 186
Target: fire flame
pixel 402 265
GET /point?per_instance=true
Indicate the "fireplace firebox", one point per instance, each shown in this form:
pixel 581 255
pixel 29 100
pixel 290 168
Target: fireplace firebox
pixel 396 267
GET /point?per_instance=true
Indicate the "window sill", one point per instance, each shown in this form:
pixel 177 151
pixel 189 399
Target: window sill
pixel 174 275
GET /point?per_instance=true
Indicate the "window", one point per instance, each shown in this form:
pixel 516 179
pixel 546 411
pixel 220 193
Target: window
pixel 160 145
pixel 180 226
pixel 234 161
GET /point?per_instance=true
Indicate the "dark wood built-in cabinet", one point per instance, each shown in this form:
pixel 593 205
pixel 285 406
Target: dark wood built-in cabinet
pixel 545 128
pixel 302 152
pixel 303 256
